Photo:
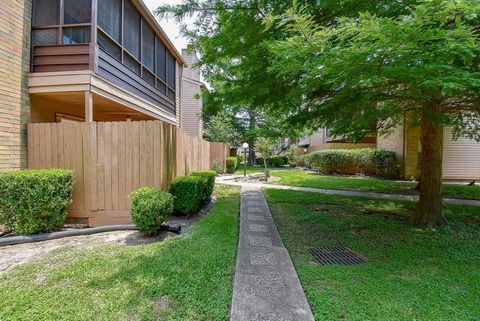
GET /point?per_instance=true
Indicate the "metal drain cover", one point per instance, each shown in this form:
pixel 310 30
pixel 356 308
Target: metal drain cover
pixel 336 254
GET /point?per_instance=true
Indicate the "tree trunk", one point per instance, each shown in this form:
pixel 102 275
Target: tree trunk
pixel 429 211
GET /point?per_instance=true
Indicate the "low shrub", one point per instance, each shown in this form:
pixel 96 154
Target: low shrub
pixel 35 200
pixel 232 164
pixel 385 162
pixel 210 176
pixel 217 167
pixel 278 161
pixel 188 193
pixel 150 208
pixel 366 161
pixel 299 160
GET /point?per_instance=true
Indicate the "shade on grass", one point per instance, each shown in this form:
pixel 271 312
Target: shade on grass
pixel 185 278
pixel 368 184
pixel 411 274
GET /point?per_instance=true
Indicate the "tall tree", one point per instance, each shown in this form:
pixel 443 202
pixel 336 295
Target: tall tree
pixel 232 40
pixel 362 75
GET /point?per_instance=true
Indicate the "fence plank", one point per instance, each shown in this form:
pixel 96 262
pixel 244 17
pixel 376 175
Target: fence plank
pixel 112 159
pixel 100 166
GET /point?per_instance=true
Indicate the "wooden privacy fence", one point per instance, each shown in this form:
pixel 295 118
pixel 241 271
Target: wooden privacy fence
pixel 219 153
pixel 112 159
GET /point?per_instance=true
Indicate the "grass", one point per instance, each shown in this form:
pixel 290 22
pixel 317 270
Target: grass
pixel 255 169
pixel 368 184
pixel 183 278
pixel 411 274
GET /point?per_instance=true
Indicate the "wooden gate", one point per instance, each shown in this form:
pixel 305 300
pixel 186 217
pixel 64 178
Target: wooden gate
pixel 112 159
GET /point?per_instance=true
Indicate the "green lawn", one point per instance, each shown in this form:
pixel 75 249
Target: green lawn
pixel 411 274
pixel 367 184
pixel 184 278
pixel 256 169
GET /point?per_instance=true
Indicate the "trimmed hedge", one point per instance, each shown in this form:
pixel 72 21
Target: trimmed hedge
pixel 278 161
pixel 210 176
pixel 150 208
pixel 366 161
pixel 188 193
pixel 35 200
pixel 232 164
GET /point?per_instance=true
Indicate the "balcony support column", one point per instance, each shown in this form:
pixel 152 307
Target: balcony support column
pixel 88 106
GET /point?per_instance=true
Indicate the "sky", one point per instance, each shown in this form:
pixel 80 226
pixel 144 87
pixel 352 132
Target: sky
pixel 171 28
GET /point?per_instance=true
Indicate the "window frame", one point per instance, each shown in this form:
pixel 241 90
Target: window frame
pixel 61 24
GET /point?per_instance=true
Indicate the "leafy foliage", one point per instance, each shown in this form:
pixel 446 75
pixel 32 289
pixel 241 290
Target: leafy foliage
pixel 34 201
pixel 210 176
pixel 366 161
pixel 150 208
pixel 232 164
pixel 189 193
pixel 265 147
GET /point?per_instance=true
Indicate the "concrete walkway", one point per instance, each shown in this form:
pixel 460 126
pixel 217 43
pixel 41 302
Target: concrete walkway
pixel 266 285
pixel 413 198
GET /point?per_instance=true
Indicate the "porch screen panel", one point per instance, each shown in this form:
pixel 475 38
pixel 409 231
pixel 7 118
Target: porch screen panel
pixel 109 18
pixel 171 75
pixel 161 70
pixel 45 12
pixel 109 46
pixel 148 46
pixel 131 30
pixel 77 11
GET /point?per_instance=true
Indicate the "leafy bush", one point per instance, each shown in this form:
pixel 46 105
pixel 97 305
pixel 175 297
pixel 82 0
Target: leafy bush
pixel 210 176
pixel 232 164
pixel 385 161
pixel 188 193
pixel 150 208
pixel 299 160
pixel 217 167
pixel 366 161
pixel 272 161
pixel 35 200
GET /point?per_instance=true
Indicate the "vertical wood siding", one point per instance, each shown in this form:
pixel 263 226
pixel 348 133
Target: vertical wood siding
pixel 112 159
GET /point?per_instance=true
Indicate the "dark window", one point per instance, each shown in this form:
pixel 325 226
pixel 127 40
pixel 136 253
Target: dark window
pixel 162 87
pixel 160 68
pixel 131 63
pixel 76 35
pixel 148 77
pixel 171 94
pixel 170 70
pixel 109 46
pixel 45 12
pixel 148 46
pixel 43 37
pixel 131 30
pixel 76 11
pixel 109 17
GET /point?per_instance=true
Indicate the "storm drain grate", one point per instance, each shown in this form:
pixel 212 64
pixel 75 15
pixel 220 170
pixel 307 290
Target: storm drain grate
pixel 336 254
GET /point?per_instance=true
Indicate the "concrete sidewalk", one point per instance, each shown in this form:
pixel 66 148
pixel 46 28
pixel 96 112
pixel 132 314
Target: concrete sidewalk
pixel 413 198
pixel 266 285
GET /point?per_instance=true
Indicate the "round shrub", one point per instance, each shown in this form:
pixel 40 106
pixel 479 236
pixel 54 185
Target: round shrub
pixel 150 208
pixel 188 193
pixel 210 176
pixel 385 162
pixel 232 163
pixel 35 200
pixel 366 161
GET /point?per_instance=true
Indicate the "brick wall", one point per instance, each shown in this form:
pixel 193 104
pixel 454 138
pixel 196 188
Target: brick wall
pixel 14 67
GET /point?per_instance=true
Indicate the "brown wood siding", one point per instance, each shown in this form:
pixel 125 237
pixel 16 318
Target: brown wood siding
pixel 117 73
pixel 61 58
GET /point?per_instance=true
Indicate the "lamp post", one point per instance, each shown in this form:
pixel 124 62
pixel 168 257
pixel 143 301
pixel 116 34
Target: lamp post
pixel 245 146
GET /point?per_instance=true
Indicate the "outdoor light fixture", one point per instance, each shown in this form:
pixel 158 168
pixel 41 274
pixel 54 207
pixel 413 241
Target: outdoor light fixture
pixel 245 146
